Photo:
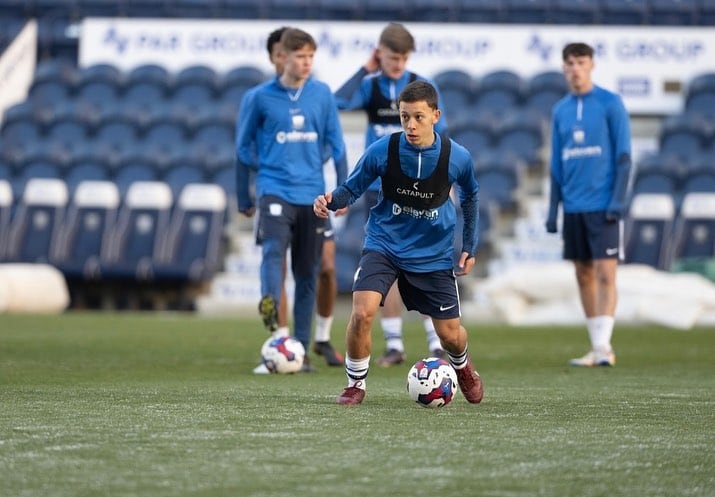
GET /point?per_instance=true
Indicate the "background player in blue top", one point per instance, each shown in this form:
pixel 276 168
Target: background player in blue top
pixel 590 169
pixel 410 235
pixel 326 293
pixel 374 88
pixel 290 121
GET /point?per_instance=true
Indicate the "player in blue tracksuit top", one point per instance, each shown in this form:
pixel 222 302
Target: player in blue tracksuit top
pixel 590 169
pixel 285 127
pixel 410 235
pixel 374 88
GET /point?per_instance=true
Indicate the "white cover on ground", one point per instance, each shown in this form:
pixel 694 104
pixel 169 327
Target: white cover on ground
pixel 546 293
pixel 32 288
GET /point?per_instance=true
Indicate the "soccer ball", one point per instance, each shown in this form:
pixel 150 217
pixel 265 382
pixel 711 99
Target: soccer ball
pixel 432 382
pixel 283 354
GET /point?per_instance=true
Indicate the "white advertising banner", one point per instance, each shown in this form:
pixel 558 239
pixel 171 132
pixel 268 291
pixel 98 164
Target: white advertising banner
pixel 649 66
pixel 17 66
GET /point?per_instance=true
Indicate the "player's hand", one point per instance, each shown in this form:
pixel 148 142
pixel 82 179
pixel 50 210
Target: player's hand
pixel 248 211
pixel 320 205
pixel 551 226
pixel 373 64
pixel 465 264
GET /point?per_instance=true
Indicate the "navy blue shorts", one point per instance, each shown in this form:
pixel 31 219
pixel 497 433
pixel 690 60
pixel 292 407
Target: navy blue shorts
pixel 294 226
pixel 433 294
pixel 589 235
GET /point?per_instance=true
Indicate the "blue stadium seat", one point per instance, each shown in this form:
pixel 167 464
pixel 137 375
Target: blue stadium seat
pixel 498 93
pixel 19 136
pixel 197 73
pixel 102 8
pixel 180 175
pixel 57 8
pixel 6 203
pixel 245 9
pixel 146 8
pixel 118 134
pixel 431 11
pixel 193 246
pixel 456 89
pixel 291 9
pixel 35 226
pixel 84 171
pixel 87 229
pixel 499 183
pixel 528 11
pixel 133 172
pixel 575 11
pixel 649 225
pixel 141 228
pixel 624 12
pixel 386 10
pixel 247 75
pixel 482 11
pixel 655 181
pixel 706 13
pixel 98 94
pixel 700 181
pixel 149 73
pixel 225 177
pixel 340 10
pixel 6 172
pixel 521 133
pixel 695 227
pixel 673 12
pixel 543 90
pixel 200 9
pixel 684 136
pixel 67 131
pixel 56 69
pixel 474 136
pixel 31 170
pixel 144 92
pixel 48 92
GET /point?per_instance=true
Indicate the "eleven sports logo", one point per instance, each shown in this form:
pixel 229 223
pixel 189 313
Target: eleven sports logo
pixel 430 214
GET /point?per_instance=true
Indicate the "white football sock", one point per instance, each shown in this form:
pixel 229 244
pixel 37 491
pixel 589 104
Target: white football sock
pixel 322 328
pixel 433 342
pixel 283 331
pixel 356 371
pixel 392 330
pixel 603 330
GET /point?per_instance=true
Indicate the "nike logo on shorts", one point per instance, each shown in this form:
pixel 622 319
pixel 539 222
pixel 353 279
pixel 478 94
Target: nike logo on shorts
pixel 611 251
pixel 446 308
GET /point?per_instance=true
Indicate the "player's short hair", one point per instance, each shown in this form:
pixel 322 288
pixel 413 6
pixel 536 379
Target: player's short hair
pixel 396 37
pixel 578 49
pixel 418 91
pixel 294 39
pixel 273 38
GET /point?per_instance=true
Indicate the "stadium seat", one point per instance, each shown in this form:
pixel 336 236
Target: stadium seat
pixel 673 12
pixel 34 169
pixel 225 177
pixel 575 12
pixel 649 226
pixel 193 9
pixel 180 175
pixel 87 228
pixel 6 203
pixel 195 232
pixel 67 131
pixel 667 165
pixel 386 10
pixel 633 12
pixel 117 133
pixel 57 69
pixel 499 183
pixel 98 94
pixel 684 136
pixel 144 92
pixel 141 228
pixel 543 90
pixel 102 8
pixel 149 73
pixel 340 10
pixel 35 226
pixel 291 9
pixel 84 171
pixel 133 171
pixel 48 92
pixel 474 136
pixel 247 75
pixel 245 9
pixel 498 93
pixel 482 11
pixel 527 11
pixel 147 8
pixel 521 133
pixel 700 181
pixel 431 11
pixel 6 172
pixel 456 89
pixel 695 227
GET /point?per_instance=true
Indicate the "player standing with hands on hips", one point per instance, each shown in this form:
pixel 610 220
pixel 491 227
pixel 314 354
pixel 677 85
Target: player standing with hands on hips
pixel 409 237
pixel 590 169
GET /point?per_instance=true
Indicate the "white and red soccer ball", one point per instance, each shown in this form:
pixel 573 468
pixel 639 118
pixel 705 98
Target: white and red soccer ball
pixel 432 382
pixel 283 354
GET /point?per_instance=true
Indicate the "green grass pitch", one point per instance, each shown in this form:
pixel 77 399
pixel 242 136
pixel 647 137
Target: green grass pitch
pixel 102 404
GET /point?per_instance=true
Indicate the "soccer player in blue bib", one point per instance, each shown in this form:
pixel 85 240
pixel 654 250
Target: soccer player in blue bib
pixel 288 122
pixel 410 236
pixel 374 88
pixel 590 168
